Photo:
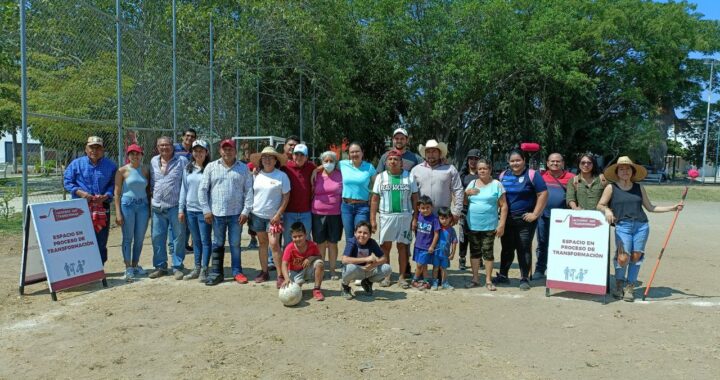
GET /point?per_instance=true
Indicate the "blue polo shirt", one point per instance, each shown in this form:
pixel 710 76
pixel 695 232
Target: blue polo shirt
pixel 98 179
pixel 520 193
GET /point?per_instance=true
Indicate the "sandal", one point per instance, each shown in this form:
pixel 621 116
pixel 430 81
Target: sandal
pixel 403 283
pixel 490 286
pixel 472 284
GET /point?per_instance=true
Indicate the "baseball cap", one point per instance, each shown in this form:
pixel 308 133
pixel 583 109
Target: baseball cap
pixel 134 148
pixel 401 130
pixel 301 148
pixel 94 140
pixel 202 144
pixel 227 142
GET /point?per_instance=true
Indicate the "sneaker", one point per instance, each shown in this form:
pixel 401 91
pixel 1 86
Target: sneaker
pixel 524 284
pixel 189 248
pixel 629 295
pixel 157 273
pixel 179 274
pixel 279 281
pixel 358 282
pixel 195 273
pixel 500 279
pixel 537 276
pixel 271 267
pixel 129 274
pixel 384 283
pixel 253 244
pixel 203 274
pixel 139 271
pixel 317 294
pixel 446 286
pixel 463 264
pixel 262 277
pixel 367 286
pixel 617 293
pixel 346 292
pixel 240 278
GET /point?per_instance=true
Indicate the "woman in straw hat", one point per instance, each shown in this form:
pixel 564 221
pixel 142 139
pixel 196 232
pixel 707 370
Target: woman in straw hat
pixel 623 203
pixel 271 196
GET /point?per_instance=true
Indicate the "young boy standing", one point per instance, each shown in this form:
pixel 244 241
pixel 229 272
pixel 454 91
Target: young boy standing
pixel 426 239
pixel 302 262
pixel 447 244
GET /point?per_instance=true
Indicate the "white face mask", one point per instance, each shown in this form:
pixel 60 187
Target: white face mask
pixel 329 166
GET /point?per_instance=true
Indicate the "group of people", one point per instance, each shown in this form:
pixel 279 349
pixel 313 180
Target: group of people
pixel 299 211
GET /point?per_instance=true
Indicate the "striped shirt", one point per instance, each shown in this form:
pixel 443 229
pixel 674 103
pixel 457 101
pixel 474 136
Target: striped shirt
pixel 395 192
pixel 166 184
pixel 231 189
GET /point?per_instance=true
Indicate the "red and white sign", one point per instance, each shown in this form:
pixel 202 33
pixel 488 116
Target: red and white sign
pixel 64 241
pixel 578 251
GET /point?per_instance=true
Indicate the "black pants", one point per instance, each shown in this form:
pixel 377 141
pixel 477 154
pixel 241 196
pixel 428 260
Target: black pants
pixel 518 237
pixel 464 244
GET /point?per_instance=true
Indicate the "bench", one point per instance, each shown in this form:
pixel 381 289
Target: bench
pixel 4 168
pixel 653 177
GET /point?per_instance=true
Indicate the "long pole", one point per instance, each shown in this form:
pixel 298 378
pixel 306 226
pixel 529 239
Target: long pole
pixel 717 152
pixel 707 121
pixel 23 107
pixel 118 81
pixel 174 69
pixel 212 79
pixel 301 107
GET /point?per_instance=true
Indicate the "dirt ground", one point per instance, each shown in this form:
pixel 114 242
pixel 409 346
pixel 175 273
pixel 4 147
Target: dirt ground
pixel 174 329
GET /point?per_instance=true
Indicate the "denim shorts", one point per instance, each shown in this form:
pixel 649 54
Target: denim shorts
pixel 631 236
pixel 422 257
pixel 259 224
pixel 440 261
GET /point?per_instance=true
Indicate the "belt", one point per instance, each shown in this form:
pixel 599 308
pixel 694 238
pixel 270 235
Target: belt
pixel 353 201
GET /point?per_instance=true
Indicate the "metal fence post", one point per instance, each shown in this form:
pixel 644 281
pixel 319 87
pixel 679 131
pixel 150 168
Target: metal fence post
pixel 23 107
pixel 301 107
pixel 118 66
pixel 212 86
pixel 174 69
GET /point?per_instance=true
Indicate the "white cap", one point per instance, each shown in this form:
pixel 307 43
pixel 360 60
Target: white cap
pixel 301 148
pixel 401 130
pixel 201 143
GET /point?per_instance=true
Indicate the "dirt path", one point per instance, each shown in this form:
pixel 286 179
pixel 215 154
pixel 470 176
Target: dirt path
pixel 173 329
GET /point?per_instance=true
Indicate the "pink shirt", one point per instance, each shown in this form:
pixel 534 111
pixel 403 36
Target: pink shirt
pixel 328 193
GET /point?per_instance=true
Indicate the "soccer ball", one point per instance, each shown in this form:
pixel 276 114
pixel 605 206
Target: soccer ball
pixel 290 295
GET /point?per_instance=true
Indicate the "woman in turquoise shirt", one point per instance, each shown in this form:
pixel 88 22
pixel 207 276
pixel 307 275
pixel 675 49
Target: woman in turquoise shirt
pixel 357 177
pixel 484 196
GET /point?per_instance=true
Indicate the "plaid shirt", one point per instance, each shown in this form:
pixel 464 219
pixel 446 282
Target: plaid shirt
pixel 230 189
pixel 166 185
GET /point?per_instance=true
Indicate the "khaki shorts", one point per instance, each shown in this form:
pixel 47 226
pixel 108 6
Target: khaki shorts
pixel 395 227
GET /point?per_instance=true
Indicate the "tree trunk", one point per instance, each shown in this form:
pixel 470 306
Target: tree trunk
pixel 663 122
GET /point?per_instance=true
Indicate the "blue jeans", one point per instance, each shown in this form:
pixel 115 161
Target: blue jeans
pixel 135 213
pixel 631 236
pixel 200 232
pixel 543 239
pixel 291 217
pixel 162 219
pixel 352 214
pixel 229 224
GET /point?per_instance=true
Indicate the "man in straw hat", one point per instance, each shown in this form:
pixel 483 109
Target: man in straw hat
pixel 92 177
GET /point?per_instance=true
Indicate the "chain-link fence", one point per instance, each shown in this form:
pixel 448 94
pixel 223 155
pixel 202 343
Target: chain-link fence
pixel 74 76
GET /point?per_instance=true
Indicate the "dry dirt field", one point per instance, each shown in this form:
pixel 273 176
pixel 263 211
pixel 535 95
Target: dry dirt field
pixel 164 328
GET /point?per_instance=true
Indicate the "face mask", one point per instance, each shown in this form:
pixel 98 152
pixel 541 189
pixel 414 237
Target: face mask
pixel 329 166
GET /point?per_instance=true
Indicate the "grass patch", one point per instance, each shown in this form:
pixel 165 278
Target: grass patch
pixel 673 193
pixel 12 225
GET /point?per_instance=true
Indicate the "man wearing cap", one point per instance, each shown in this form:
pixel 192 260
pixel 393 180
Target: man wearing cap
pixel 226 197
pixel 556 178
pixel 184 148
pixel 400 141
pixel 395 196
pixel 167 172
pixel 299 170
pixel 92 177
pixel 438 180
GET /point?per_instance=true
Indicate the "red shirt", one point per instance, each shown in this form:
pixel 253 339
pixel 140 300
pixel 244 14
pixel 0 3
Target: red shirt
pixel 295 258
pixel 300 187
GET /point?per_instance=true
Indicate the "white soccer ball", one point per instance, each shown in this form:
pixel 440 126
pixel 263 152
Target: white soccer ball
pixel 290 295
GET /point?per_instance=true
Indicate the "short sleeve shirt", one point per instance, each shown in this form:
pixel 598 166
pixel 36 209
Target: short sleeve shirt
pixel 482 212
pixel 295 258
pixel 356 181
pixel 301 188
pixel 447 237
pixel 520 192
pixel 426 227
pixel 395 192
pixel 355 249
pixel 268 190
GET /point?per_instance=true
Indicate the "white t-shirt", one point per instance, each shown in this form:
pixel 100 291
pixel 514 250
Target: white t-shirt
pixel 269 189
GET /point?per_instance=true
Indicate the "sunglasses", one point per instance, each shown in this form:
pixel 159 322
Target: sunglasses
pixel 586 163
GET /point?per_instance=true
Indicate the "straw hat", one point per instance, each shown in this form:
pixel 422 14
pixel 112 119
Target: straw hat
pixel 640 171
pixel 433 144
pixel 255 157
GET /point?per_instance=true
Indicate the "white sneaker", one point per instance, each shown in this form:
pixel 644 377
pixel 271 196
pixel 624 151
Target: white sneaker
pixel 129 274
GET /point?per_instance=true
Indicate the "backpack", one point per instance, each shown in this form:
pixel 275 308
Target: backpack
pixel 531 174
